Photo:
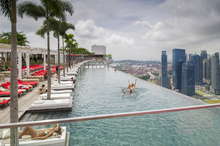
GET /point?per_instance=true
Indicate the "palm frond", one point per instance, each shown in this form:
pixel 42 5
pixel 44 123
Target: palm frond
pixel 42 31
pixel 5 7
pixel 31 10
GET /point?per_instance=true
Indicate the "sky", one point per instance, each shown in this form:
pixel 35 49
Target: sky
pixel 136 29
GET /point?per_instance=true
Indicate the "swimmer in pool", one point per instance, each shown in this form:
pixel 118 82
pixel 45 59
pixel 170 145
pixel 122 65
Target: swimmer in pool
pixel 129 92
pixel 132 86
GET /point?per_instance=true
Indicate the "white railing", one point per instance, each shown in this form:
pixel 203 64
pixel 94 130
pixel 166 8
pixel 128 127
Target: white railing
pixel 108 116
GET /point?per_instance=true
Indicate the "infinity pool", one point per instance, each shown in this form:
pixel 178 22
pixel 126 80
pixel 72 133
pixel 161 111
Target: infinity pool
pixel 98 91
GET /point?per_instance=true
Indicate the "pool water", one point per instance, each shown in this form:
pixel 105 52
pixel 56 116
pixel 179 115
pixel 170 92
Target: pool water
pixel 98 91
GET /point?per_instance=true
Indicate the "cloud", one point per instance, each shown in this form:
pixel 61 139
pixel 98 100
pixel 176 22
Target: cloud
pixel 191 23
pixel 88 30
pixel 143 24
pixel 136 29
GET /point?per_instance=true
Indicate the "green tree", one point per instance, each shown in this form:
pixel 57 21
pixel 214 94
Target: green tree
pixel 69 40
pixel 57 27
pixel 8 7
pixel 5 38
pixel 47 9
pixel 65 27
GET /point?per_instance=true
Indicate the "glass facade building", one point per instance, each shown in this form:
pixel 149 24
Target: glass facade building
pixel 215 81
pixel 164 69
pixel 204 54
pixel 198 62
pixel 179 58
pixel 208 68
pixel 188 78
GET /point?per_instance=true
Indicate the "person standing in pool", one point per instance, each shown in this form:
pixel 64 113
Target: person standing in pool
pixel 132 86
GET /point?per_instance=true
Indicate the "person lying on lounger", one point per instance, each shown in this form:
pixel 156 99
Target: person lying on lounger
pixel 2 100
pixel 72 80
pixel 40 134
pixel 42 89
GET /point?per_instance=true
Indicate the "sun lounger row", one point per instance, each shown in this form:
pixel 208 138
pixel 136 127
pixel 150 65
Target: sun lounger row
pixel 40 73
pixel 23 87
pixel 36 67
pixel 4 102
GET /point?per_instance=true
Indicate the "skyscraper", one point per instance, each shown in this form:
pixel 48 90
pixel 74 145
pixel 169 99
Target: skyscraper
pixel 188 78
pixel 164 69
pixel 203 54
pixel 215 80
pixel 179 58
pixel 198 62
pixel 190 57
pixel 204 68
pixel 208 68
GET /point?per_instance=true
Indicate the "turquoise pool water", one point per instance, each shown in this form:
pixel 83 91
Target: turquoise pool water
pixel 98 91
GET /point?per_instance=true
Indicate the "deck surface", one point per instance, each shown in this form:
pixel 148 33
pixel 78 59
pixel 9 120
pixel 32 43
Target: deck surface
pixel 24 102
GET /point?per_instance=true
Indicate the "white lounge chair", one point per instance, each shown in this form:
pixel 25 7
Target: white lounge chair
pixel 55 140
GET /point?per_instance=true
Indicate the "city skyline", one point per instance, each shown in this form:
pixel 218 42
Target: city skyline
pixel 137 30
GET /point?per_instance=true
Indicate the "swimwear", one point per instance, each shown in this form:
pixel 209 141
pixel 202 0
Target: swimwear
pixel 37 133
pixel 46 132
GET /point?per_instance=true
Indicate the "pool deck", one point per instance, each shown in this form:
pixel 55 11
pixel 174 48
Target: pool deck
pixel 24 102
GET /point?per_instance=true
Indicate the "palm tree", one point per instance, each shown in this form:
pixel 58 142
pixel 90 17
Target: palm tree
pixel 47 9
pixel 58 28
pixel 69 40
pixel 8 7
pixel 65 27
pixel 5 38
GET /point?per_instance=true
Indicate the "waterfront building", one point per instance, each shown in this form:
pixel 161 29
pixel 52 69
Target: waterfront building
pixel 198 62
pixel 158 81
pixel 99 49
pixel 190 57
pixel 188 78
pixel 164 69
pixel 203 54
pixel 168 82
pixel 208 68
pixel 179 58
pixel 215 81
pixel 204 68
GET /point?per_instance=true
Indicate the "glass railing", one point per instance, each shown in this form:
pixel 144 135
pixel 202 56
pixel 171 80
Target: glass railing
pixel 193 125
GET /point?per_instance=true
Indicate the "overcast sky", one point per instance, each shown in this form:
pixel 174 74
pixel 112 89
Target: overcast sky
pixel 136 29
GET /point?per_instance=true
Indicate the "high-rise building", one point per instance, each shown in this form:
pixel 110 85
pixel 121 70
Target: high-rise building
pixel 164 69
pixel 208 68
pixel 188 78
pixel 215 81
pixel 158 81
pixel 198 62
pixel 204 68
pixel 203 54
pixel 190 57
pixel 179 58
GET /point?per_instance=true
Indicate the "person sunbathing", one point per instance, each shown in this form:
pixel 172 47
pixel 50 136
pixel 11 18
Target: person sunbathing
pixel 42 89
pixel 2 100
pixel 72 80
pixel 40 134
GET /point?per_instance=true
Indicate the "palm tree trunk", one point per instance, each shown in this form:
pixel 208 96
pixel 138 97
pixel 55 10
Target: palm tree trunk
pixel 64 60
pixel 58 38
pixel 48 62
pixel 13 80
